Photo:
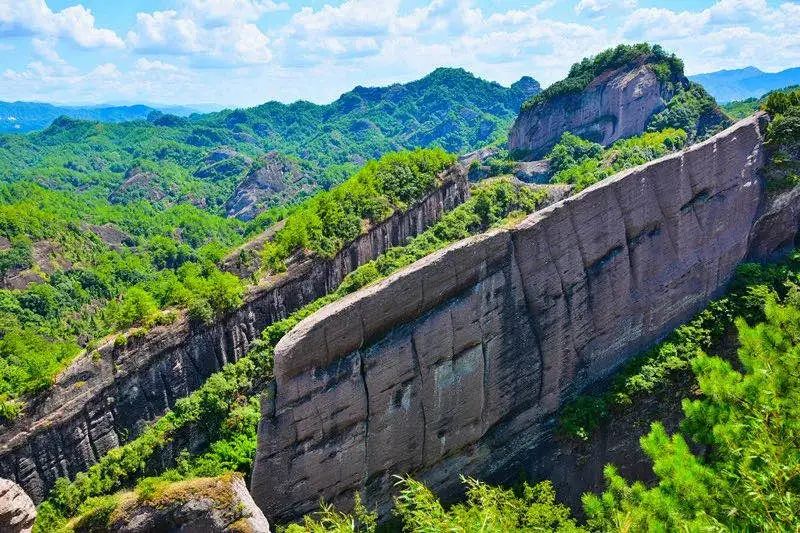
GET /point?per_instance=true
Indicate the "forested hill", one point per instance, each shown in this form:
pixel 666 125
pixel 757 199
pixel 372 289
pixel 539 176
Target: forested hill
pixel 202 159
pixel 22 117
pixel 450 108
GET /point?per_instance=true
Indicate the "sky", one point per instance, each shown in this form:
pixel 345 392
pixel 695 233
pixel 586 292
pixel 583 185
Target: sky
pixel 239 53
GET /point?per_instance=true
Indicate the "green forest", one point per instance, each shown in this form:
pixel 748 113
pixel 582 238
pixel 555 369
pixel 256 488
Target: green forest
pixel 108 230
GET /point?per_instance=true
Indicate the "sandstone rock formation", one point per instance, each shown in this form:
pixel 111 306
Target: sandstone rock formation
pixel 139 184
pixel 272 179
pixel 106 398
pixel 616 104
pixel 17 511
pixel 456 364
pixel 205 505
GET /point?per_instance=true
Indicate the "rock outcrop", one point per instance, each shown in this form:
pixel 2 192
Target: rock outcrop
pixel 615 105
pixel 17 512
pixel 205 505
pixel 106 398
pixel 457 364
pixel 273 179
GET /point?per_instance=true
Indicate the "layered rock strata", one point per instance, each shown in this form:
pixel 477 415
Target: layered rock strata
pixel 106 398
pixel 456 364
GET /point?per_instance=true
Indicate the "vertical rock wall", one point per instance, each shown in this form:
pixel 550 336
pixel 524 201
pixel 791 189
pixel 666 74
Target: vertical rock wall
pixel 456 364
pixel 105 400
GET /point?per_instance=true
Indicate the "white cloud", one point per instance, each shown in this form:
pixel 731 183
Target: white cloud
pixel 600 7
pixel 223 12
pixel 35 18
pixel 177 33
pixel 46 49
pixel 727 34
pixel 146 65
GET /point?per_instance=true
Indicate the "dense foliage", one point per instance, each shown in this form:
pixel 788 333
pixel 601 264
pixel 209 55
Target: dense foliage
pixel 749 417
pixel 332 219
pixel 229 418
pixel 169 160
pixel 783 140
pixel 583 163
pixel 90 285
pixel 667 67
pixel 487 509
pixel 692 110
pixel 84 283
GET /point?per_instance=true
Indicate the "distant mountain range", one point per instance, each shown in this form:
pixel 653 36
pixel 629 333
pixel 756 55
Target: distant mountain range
pixel 749 82
pixel 21 117
pixel 285 150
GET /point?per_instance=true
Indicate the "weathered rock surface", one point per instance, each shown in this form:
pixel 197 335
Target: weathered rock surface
pixel 206 505
pixel 271 180
pixel 139 184
pixel 17 512
pixel 616 104
pixel 456 364
pixel 107 398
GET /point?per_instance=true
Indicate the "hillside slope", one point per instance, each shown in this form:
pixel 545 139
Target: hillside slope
pixel 449 108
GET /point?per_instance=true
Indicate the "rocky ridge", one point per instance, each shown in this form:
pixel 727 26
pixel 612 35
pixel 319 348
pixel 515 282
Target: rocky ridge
pixel 106 398
pixel 457 364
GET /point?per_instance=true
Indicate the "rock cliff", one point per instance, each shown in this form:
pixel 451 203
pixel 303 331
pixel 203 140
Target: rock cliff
pixel 457 364
pixel 616 104
pixel 106 398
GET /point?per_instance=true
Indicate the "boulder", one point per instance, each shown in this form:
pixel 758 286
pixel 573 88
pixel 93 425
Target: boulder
pixel 17 511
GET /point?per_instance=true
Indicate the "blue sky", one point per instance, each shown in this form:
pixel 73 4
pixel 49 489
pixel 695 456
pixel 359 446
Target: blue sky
pixel 246 52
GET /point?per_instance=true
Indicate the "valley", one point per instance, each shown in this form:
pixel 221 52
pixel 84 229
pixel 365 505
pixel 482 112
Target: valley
pixel 433 306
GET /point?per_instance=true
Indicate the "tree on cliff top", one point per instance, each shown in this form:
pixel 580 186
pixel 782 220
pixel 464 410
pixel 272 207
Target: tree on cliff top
pixel 667 67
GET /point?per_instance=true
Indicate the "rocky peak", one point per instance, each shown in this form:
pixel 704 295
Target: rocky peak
pixel 527 87
pixel 604 98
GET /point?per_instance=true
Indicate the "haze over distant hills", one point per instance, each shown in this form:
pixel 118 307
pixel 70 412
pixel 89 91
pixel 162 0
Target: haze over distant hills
pixel 749 82
pixel 21 117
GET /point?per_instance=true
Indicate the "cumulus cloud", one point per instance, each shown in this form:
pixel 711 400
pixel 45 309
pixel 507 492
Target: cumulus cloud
pixel 727 34
pixel 35 18
pixel 171 32
pixel 223 12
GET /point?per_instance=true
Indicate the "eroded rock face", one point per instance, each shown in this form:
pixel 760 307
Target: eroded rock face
pixel 456 365
pixel 209 505
pixel 104 400
pixel 616 104
pixel 268 182
pixel 17 512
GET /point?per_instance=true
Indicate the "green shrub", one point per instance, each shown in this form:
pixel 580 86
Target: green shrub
pixel 581 164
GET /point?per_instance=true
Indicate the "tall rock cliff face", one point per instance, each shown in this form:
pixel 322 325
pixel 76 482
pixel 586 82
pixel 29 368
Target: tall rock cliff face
pixel 457 364
pixel 616 104
pixel 107 399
